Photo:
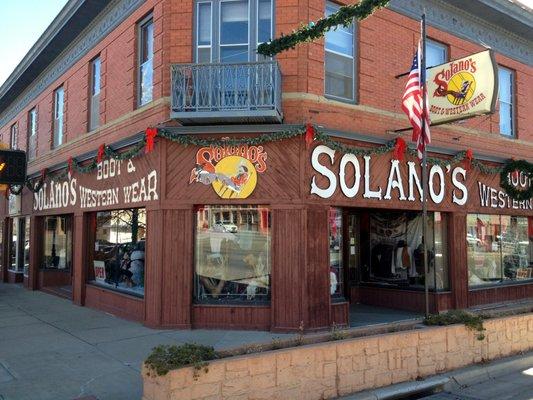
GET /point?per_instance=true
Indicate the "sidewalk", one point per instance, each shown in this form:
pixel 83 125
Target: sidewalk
pixel 51 349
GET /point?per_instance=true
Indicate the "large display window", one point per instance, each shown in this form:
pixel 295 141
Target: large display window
pixel 119 250
pixel 499 249
pixel 57 248
pixel 26 247
pixel 392 250
pixel 16 262
pixel 232 254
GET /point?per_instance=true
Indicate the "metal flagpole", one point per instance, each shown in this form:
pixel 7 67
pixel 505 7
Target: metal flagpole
pixel 425 185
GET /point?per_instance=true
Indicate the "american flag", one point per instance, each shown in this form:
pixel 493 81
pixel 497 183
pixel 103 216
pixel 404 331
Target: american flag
pixel 412 106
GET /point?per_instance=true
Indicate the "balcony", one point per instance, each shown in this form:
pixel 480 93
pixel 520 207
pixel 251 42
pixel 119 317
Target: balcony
pixel 226 93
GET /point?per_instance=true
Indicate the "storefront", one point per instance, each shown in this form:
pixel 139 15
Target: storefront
pixel 278 235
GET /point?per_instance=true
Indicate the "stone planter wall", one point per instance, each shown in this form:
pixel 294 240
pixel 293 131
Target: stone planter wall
pixel 327 370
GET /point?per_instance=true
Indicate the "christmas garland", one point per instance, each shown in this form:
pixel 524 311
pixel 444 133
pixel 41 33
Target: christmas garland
pixel 514 167
pixel 345 16
pixel 309 132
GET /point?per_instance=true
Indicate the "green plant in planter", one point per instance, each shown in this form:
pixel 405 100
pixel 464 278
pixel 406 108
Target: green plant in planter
pixel 471 321
pixel 165 358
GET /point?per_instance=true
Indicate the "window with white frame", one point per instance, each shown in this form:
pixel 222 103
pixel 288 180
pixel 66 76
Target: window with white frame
pixel 13 137
pixel 436 53
pixel 146 55
pixel 32 133
pixel 506 94
pixel 229 31
pixel 94 102
pixel 59 103
pixel 339 59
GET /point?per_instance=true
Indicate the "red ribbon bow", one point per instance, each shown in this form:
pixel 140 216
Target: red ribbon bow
pixel 150 133
pixel 101 151
pixel 309 135
pixel 69 165
pixel 399 149
pixel 469 156
pixel 43 174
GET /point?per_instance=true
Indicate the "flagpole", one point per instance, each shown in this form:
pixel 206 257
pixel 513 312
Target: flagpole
pixel 425 185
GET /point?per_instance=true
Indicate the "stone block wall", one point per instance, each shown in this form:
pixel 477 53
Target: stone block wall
pixel 328 370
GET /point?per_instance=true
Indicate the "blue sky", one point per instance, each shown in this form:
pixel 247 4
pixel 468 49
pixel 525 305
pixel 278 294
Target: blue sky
pixel 21 23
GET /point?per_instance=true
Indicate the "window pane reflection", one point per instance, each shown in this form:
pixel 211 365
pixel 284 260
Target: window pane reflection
pixel 232 254
pixel 119 250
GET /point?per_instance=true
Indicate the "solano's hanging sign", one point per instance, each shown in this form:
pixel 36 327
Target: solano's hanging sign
pixel 462 88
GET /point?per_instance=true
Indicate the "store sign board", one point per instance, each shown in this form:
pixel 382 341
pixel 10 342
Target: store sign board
pixel 463 88
pixel 357 177
pixel 232 171
pixel 117 183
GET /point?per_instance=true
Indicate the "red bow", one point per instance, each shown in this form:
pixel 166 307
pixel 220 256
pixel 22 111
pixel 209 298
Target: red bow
pixel 101 151
pixel 399 149
pixel 469 156
pixel 69 165
pixel 150 133
pixel 43 174
pixel 309 135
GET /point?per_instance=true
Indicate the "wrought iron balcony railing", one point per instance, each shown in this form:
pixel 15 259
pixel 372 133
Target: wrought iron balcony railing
pixel 246 92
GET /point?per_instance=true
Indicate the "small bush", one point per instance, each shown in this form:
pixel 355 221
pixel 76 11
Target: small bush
pixel 471 321
pixel 165 358
pixel 337 333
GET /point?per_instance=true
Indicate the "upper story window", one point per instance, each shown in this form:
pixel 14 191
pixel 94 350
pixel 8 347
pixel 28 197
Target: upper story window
pixel 339 60
pixel 229 31
pixel 146 55
pixel 59 105
pixel 32 133
pixel 506 94
pixel 94 101
pixel 13 137
pixel 436 53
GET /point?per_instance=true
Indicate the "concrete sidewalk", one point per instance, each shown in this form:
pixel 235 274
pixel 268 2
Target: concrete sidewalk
pixel 51 349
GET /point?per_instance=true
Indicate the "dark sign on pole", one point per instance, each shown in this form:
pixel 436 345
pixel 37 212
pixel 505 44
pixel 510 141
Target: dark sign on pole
pixel 12 167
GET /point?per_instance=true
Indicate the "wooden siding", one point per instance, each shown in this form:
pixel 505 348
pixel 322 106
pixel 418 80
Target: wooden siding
pixel 340 314
pixel 231 317
pixel 500 294
pixel 115 303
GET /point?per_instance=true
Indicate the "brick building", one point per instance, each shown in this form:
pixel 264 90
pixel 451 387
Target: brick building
pixel 277 235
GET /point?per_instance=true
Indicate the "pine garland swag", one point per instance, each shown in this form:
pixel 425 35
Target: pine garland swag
pixel 140 148
pixel 505 179
pixel 307 33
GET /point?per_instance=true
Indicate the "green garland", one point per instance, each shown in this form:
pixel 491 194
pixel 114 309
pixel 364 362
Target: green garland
pixel 345 16
pixel 192 140
pixel 505 182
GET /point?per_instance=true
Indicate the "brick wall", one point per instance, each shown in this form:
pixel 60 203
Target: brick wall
pixel 332 369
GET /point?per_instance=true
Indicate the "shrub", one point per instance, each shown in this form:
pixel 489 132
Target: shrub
pixel 471 321
pixel 165 358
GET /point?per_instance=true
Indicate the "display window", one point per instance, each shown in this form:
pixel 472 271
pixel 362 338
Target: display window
pixel 26 250
pixel 19 245
pixel 394 254
pixel 499 249
pixel 232 254
pixel 336 265
pixel 118 258
pixel 57 243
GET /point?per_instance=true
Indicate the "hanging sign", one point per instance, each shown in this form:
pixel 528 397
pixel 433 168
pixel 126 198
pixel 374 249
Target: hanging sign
pixel 462 88
pixel 231 170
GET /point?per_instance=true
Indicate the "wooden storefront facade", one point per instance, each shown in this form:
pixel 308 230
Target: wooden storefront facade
pixel 296 187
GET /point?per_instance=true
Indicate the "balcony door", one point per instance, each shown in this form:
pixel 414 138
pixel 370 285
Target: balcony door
pixel 228 32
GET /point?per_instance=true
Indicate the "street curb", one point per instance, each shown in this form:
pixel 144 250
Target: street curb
pixel 449 381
